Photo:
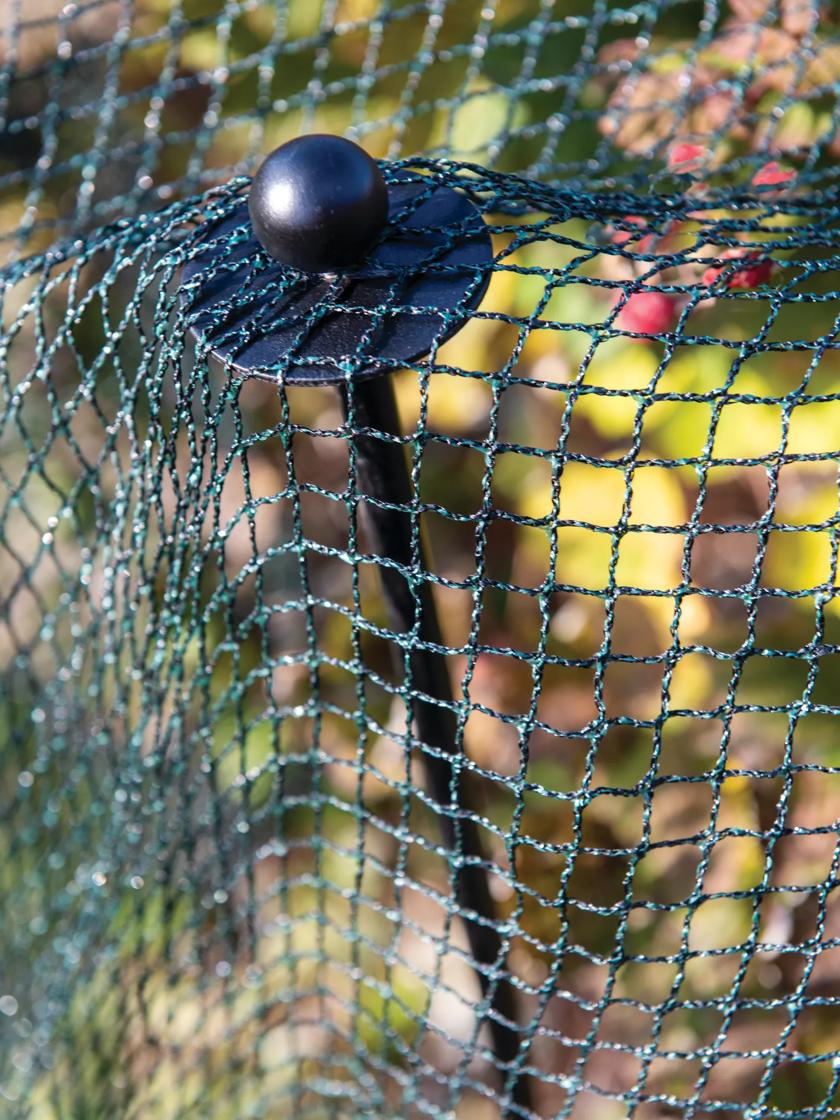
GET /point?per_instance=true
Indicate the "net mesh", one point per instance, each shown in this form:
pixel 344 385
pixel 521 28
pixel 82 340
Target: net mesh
pixel 228 889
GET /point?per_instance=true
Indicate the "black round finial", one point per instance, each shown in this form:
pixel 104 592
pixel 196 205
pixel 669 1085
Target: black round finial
pixel 414 289
pixel 318 203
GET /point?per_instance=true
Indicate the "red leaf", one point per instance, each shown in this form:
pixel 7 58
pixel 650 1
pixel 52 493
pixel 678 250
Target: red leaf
pixel 772 175
pixel 684 158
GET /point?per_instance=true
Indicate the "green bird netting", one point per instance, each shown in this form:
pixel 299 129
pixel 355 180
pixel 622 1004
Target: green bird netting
pixel 230 884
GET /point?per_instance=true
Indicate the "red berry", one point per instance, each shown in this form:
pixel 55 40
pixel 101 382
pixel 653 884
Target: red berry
pixel 648 313
pixel 634 242
pixel 754 271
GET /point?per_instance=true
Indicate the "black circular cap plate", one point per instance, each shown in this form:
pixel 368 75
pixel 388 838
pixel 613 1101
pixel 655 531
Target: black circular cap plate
pixel 416 287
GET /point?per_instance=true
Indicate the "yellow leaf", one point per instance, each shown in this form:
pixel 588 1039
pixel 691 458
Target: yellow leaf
pixel 650 561
pixel 612 417
pixel 696 369
pixel 457 404
pixel 480 117
pixel 591 494
pixel 815 428
pixel 719 923
pixel 691 681
pixel 200 50
pixel 583 557
pixel 748 431
pixel 658 498
pixel 619 364
pixel 676 429
pixel 797 561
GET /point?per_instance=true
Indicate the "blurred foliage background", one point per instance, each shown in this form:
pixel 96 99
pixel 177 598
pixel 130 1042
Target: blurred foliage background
pixel 224 890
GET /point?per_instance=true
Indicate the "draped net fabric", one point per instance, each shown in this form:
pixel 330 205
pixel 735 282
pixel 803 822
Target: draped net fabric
pixel 226 889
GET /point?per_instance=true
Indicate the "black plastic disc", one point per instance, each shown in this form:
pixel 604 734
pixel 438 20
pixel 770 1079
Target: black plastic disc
pixel 415 289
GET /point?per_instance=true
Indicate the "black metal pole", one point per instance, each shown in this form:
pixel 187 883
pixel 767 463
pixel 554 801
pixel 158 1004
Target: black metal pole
pixel 382 474
pixel 319 205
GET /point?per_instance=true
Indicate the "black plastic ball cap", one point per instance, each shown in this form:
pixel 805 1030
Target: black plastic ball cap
pixel 407 286
pixel 318 203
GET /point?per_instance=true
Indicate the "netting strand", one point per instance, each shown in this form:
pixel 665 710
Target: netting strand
pixel 245 835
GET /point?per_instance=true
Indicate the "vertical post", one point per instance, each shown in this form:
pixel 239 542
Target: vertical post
pixel 319 205
pixel 383 475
